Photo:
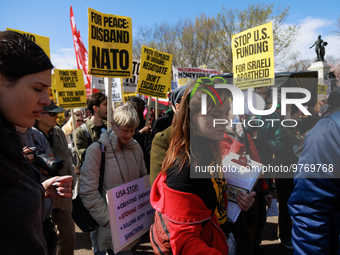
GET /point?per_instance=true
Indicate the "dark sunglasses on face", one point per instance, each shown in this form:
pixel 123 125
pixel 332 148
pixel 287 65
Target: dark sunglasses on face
pixel 52 114
pixel 79 120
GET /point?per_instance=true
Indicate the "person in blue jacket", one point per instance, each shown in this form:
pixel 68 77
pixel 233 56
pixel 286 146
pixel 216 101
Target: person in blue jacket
pixel 315 201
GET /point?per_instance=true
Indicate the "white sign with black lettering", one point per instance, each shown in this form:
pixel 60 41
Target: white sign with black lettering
pixel 131 214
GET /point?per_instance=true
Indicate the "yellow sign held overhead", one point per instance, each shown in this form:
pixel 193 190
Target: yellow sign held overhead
pixel 127 95
pixel 70 88
pixel 110 45
pixel 154 73
pixel 322 89
pixel 253 57
pixel 42 41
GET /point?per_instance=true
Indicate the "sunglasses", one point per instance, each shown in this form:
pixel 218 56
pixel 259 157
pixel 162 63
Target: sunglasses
pixel 79 120
pixel 52 114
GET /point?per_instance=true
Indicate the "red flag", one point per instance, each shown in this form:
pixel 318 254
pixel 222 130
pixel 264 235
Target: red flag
pixel 81 53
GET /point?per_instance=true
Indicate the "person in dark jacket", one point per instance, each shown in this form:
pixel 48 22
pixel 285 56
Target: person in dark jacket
pixel 62 209
pixel 160 125
pixel 315 201
pixel 25 76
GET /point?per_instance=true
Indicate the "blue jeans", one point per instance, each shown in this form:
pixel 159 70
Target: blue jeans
pixel 95 245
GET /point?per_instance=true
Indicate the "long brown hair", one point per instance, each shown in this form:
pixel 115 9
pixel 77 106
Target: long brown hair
pixel 179 149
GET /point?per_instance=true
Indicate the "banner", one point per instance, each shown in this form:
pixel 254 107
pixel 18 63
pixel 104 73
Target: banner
pixel 183 75
pixel 116 95
pixel 110 45
pixel 98 84
pixel 81 53
pixel 131 214
pixel 253 57
pixel 154 73
pixel 42 41
pixel 130 84
pixel 70 88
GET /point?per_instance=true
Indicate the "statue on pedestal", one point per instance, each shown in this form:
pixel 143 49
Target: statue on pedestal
pixel 319 48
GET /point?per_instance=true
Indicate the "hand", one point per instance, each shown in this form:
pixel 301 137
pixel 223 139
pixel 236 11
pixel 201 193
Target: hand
pixel 268 198
pixel 58 186
pixel 245 201
pixel 77 169
pixel 28 153
pixel 145 131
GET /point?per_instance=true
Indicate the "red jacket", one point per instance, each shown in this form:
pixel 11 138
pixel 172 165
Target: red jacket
pixel 185 213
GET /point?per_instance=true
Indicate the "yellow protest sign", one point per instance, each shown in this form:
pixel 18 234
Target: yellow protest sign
pixel 110 45
pixel 52 90
pixel 42 41
pixel 322 89
pixel 61 118
pixel 154 73
pixel 70 88
pixel 127 95
pixel 253 57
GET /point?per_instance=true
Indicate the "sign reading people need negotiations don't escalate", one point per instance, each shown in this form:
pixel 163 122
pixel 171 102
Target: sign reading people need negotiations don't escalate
pixel 110 45
pixel 253 57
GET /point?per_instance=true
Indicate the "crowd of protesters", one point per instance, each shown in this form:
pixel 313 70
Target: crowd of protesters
pixel 191 211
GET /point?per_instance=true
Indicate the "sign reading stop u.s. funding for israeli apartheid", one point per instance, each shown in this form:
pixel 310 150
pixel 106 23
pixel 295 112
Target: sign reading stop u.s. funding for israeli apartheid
pixel 42 41
pixel 70 88
pixel 110 45
pixel 154 73
pixel 253 57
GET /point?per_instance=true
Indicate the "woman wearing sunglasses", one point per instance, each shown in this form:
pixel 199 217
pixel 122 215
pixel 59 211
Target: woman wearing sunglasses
pixel 192 203
pixel 124 162
pixel 25 76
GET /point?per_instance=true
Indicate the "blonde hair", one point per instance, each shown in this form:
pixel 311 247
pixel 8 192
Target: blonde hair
pixel 68 127
pixel 78 109
pixel 125 116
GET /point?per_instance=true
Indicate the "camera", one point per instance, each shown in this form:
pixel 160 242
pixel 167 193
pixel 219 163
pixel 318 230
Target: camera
pixel 49 164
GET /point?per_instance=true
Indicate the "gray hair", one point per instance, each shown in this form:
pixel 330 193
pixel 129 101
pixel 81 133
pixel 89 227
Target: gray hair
pixel 125 116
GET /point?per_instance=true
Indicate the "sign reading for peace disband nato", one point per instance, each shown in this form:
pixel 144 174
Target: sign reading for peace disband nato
pixel 253 57
pixel 110 45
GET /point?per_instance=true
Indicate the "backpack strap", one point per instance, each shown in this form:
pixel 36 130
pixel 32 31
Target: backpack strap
pixel 102 167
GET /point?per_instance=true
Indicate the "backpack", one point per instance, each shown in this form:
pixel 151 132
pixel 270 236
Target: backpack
pixel 160 235
pixel 81 216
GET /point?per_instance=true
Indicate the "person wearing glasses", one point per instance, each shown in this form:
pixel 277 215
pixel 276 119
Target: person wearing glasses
pixel 62 209
pixel 124 162
pixel 25 76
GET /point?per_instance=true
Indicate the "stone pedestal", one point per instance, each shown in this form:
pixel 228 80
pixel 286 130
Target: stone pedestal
pixel 322 68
